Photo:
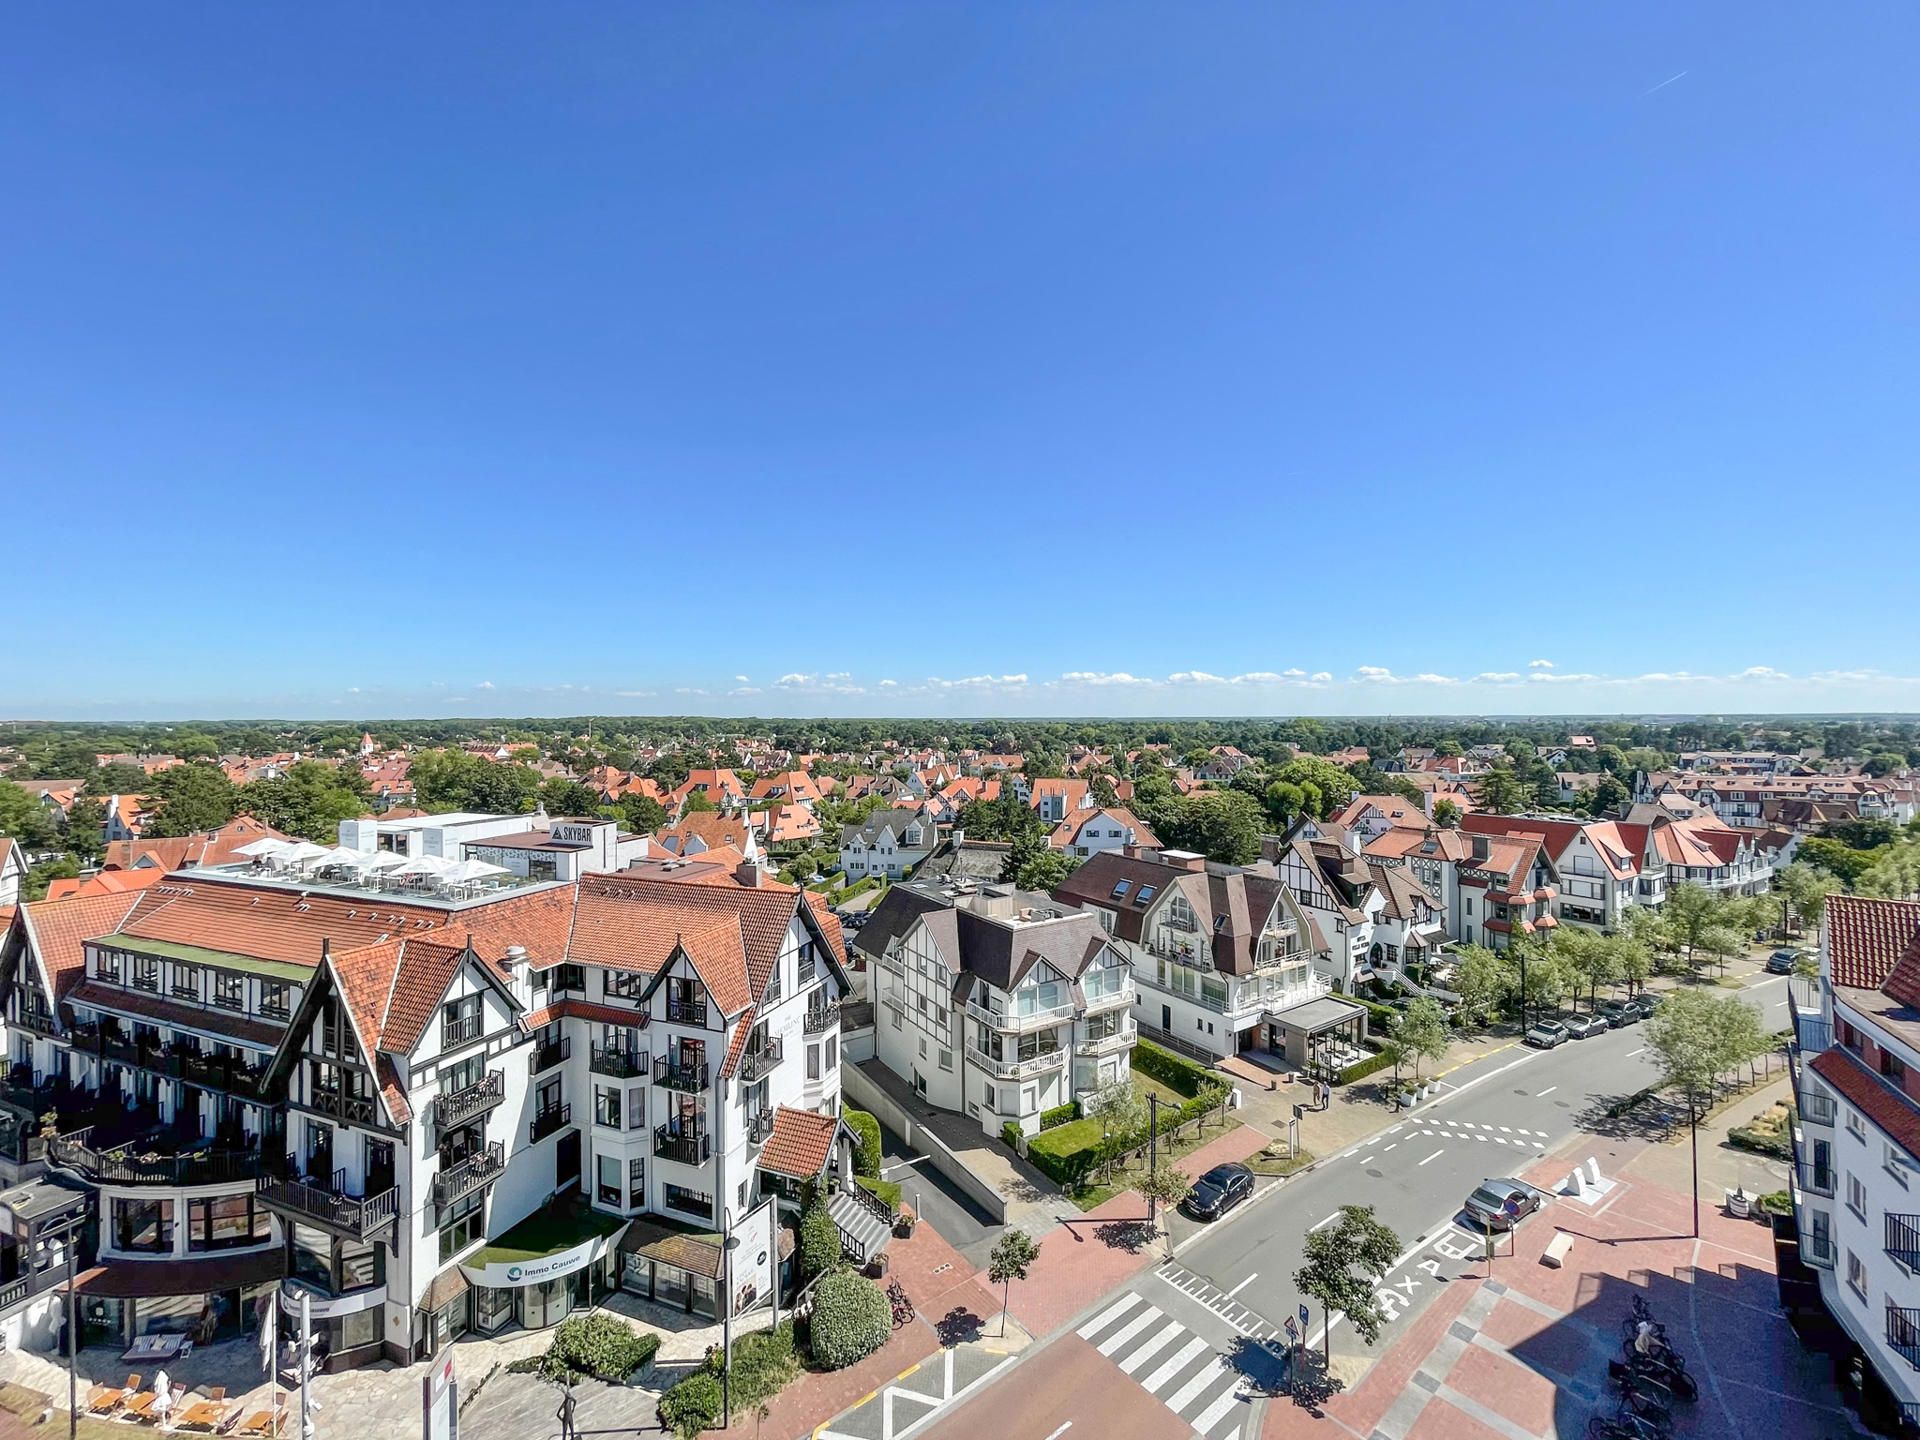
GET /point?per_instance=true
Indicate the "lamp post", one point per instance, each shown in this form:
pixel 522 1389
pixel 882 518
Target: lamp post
pixel 71 1237
pixel 728 1240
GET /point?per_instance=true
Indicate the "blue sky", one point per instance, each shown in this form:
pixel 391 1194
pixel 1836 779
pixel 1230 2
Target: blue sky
pixel 1105 358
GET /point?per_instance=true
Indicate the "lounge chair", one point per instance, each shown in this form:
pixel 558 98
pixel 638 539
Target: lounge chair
pixel 105 1399
pixel 139 1407
pixel 264 1422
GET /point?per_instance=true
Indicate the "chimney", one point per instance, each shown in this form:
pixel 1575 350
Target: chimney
pixel 1184 860
pixel 750 874
pixel 513 960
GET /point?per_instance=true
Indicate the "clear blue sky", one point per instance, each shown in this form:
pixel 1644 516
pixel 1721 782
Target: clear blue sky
pixel 500 359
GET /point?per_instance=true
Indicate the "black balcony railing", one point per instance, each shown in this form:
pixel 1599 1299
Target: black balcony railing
pixel 324 1201
pixel 345 1105
pixel 680 1075
pixel 687 1012
pixel 482 1167
pixel 762 1058
pixel 620 1062
pixel 1903 1239
pixel 689 1146
pixel 476 1099
pixel 155 1162
pixel 1903 1333
pixel 760 1127
pixel 1816 1109
pixel 460 1029
pixel 546 1056
pixel 545 1122
pixel 821 1018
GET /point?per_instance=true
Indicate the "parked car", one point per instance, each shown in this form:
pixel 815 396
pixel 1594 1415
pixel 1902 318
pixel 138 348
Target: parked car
pixel 1647 1002
pixel 1547 1034
pixel 1781 962
pixel 1487 1205
pixel 1218 1191
pixel 1582 1026
pixel 1621 1013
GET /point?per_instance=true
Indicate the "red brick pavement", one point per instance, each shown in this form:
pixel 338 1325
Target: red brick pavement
pixel 1237 1144
pixel 817 1396
pixel 1083 1260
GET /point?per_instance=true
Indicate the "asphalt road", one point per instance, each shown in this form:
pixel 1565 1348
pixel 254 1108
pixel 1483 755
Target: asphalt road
pixel 1492 1119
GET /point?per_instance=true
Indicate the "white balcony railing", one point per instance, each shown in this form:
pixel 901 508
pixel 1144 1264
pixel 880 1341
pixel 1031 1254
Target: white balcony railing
pixel 1019 1023
pixel 1019 1067
pixel 1122 1038
pixel 1116 999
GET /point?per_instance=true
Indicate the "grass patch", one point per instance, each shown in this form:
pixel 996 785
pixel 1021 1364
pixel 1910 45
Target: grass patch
pixel 26 1405
pixel 1770 1133
pixel 1092 1197
pixel 1146 1085
pixel 1274 1161
pixel 544 1233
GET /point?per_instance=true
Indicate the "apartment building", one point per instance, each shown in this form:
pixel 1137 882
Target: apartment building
pixel 1104 827
pixel 423 1112
pixel 1376 916
pixel 995 1003
pixel 1223 957
pixel 1856 1179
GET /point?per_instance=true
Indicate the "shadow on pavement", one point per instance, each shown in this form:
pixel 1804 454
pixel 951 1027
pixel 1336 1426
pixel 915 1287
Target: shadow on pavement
pixel 1132 1236
pixel 1651 1119
pixel 1307 1383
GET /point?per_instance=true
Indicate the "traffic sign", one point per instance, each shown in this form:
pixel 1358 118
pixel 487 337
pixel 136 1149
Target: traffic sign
pixel 1303 1317
pixel 1513 1207
pixel 1292 1332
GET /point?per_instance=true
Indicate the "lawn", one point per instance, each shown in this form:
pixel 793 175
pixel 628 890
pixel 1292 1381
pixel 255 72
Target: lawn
pixel 27 1405
pixel 543 1233
pixel 1274 1161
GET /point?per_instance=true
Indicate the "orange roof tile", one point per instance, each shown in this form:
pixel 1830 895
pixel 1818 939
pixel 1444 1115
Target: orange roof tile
pixel 800 1145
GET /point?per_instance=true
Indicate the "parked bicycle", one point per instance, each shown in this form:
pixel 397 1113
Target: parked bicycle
pixel 902 1304
pixel 1658 1369
pixel 1626 1426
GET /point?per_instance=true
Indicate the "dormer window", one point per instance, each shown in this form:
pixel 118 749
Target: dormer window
pixel 1121 888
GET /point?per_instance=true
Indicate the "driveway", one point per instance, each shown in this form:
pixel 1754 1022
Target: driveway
pixel 944 1205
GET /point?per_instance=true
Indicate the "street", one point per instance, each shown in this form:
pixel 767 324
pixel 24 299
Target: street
pixel 1204 1335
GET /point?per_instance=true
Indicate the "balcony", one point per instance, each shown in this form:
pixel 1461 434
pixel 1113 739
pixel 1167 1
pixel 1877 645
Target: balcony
pixel 1811 1034
pixel 215 1072
pixel 117 1045
pixel 821 1018
pixel 1020 1066
pixel 622 1064
pixel 545 1122
pixel 1816 1249
pixel 462 1105
pixel 325 1203
pixel 1816 1109
pixel 546 1056
pixel 1814 1179
pixel 1120 1038
pixel 461 1031
pixel 680 1076
pixel 481 1168
pixel 345 1105
pixel 1118 998
pixel 760 1060
pixel 1903 1334
pixel 1012 1023
pixel 38 1019
pixel 158 1161
pixel 1903 1240
pixel 687 1012
pixel 759 1127
pixel 689 1146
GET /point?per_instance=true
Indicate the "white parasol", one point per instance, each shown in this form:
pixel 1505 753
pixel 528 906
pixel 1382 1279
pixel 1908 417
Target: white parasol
pixel 261 849
pixel 466 870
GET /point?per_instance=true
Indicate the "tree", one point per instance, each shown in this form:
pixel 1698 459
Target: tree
pixel 1592 959
pixel 1004 818
pixel 1609 794
pixel 1885 763
pixel 1446 815
pixel 1345 1262
pixel 1013 1255
pixel 1695 1037
pixel 1329 785
pixel 309 800
pixel 1222 825
pixel 1164 1187
pixel 1503 792
pixel 1422 1028
pixel 1483 981
pixel 1701 922
pixel 696 803
pixel 1122 1112
pixel 568 797
pixel 642 814
pixel 86 830
pixel 1835 858
pixel 1634 957
pixel 191 798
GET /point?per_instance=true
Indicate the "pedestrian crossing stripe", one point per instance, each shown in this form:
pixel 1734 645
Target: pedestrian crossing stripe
pixel 1185 1371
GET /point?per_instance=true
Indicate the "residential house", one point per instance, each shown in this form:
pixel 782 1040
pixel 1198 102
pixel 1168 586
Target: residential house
pixel 1104 827
pixel 887 843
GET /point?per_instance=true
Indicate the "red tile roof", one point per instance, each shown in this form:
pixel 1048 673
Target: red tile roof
pixel 801 1143
pixel 1886 1107
pixel 1867 938
pixel 102 996
pixel 208 847
pixel 58 929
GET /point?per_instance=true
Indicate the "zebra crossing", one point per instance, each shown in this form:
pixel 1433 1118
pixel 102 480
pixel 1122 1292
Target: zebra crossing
pixel 1516 1135
pixel 1248 1322
pixel 1183 1370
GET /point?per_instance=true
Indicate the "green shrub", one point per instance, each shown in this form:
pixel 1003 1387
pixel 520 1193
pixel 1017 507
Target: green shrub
pixel 885 1190
pixel 1067 1153
pixel 1761 1142
pixel 866 1142
pixel 691 1405
pixel 851 1319
pixel 1176 1072
pixel 1059 1115
pixel 819 1240
pixel 599 1345
pixel 1775 1202
pixel 1360 1069
pixel 1010 1133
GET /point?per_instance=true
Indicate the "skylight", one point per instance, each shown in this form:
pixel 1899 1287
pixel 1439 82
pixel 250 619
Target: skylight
pixel 1120 889
pixel 1146 894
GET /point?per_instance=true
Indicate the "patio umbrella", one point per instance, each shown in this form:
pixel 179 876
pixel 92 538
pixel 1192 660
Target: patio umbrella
pixel 465 870
pixel 261 849
pixel 343 855
pixel 381 861
pixel 303 852
pixel 424 865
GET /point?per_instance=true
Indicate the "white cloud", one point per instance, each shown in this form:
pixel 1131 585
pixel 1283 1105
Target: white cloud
pixel 1762 672
pixel 740 680
pixel 1494 677
pixel 1380 675
pixel 688 690
pixel 795 679
pixel 1321 677
pixel 1197 677
pixel 977 682
pixel 744 690
pixel 889 684
pixel 1373 672
pixel 1102 677
pixel 1567 677
pixel 353 690
pixel 484 685
pixel 1539 664
pixel 635 694
pixel 1293 674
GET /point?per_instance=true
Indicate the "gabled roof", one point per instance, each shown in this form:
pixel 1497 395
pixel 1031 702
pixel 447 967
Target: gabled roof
pixel 207 847
pixel 801 1143
pixel 1867 939
pixel 56 932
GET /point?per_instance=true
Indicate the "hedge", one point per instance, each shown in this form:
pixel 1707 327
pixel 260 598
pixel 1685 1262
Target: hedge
pixel 1068 1153
pixel 1176 1072
pixel 886 1190
pixel 1010 1134
pixel 763 1364
pixel 866 1142
pixel 819 1240
pixel 1360 1069
pixel 1761 1142
pixel 599 1345
pixel 1059 1115
pixel 850 1320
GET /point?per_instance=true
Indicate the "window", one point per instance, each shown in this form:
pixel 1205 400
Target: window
pixel 229 991
pixel 143 1225
pixel 832 1056
pixel 1893 1067
pixel 636 1183
pixel 107 965
pixel 226 1222
pixel 146 973
pixel 460 1021
pixel 274 998
pixel 607 1189
pixel 312 1259
pixel 1856 1127
pixel 1891 1157
pixel 470 1071
pixel 362 1265
pixel 1857 1274
pixel 813 1059
pixel 606 1107
pixel 461 1225
pixel 186 981
pixel 687 1202
pixel 569 977
pixel 1856 1196
pixel 626 984
pixel 1143 895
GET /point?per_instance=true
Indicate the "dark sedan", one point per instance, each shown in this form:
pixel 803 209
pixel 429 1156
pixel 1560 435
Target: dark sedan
pixel 1501 1204
pixel 1218 1191
pixel 1620 1013
pixel 1782 962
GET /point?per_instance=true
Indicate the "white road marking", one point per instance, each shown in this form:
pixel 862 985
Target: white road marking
pixel 1100 1321
pixel 1546 1092
pixel 1152 1348
pixel 1132 1328
pixel 1328 1221
pixel 1641 1051
pixel 1389 1147
pixel 1256 1274
pixel 1181 1359
pixel 1435 1155
pixel 1505 1130
pixel 1214 1413
pixel 1061 1431
pixel 1207 1375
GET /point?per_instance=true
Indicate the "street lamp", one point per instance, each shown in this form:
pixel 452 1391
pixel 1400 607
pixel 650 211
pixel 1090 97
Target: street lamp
pixel 728 1243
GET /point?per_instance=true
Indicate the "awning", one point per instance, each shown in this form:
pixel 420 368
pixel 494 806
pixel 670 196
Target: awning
pixel 152 1279
pixel 697 1254
pixel 1328 1012
pixel 448 1286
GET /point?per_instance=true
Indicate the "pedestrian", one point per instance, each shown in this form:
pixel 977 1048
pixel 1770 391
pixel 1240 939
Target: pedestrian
pixel 565 1414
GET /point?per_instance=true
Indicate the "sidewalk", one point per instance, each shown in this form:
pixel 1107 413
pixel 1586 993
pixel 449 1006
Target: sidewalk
pixel 1722 1166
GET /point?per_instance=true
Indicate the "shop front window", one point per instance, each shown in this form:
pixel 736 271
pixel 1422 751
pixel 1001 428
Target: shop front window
pixel 492 1308
pixel 359 1329
pixel 546 1302
pixel 312 1257
pixel 226 1222
pixel 361 1265
pixel 145 1226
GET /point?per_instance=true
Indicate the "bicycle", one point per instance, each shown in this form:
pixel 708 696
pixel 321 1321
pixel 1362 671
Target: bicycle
pixel 1656 1369
pixel 1624 1426
pixel 902 1304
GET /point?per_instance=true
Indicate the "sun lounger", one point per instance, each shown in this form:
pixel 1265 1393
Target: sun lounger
pixel 202 1415
pixel 105 1399
pixel 138 1407
pixel 262 1422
